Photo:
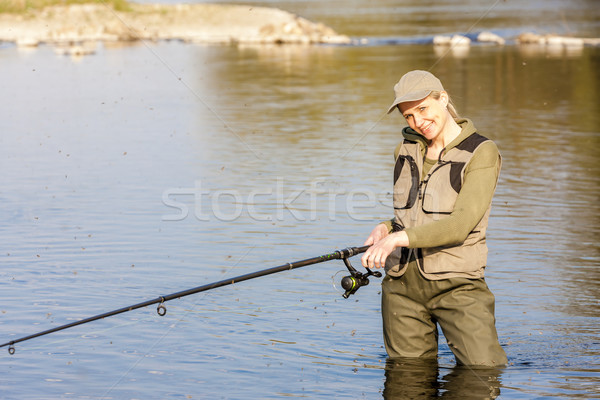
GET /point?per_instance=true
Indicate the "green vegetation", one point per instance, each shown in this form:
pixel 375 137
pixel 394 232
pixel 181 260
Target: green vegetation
pixel 21 6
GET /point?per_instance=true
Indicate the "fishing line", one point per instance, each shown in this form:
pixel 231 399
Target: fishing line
pixel 343 254
pixel 232 131
pixel 139 360
pixel 257 309
pixel 451 47
pixel 351 283
pixel 136 363
pixel 181 80
pixel 430 68
pixel 90 334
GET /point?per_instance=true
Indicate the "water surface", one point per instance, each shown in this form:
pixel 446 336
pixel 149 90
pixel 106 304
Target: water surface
pixel 147 169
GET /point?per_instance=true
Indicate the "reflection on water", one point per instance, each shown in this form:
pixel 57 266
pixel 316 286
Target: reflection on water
pixel 290 150
pixel 424 379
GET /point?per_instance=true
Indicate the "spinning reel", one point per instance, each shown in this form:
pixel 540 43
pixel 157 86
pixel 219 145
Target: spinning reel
pixel 351 283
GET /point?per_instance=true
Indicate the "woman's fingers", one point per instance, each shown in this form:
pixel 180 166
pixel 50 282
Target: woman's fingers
pixel 379 259
pixel 374 257
pixel 381 246
pixel 377 254
pixel 365 259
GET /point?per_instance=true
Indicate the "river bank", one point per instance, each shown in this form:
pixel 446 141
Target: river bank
pixel 196 23
pixel 76 28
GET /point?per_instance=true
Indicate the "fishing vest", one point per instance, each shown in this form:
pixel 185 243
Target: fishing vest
pixel 420 201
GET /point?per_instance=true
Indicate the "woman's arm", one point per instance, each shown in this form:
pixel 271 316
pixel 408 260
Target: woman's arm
pixel 481 175
pixel 471 204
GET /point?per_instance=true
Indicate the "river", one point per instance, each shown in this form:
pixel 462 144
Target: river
pixel 151 168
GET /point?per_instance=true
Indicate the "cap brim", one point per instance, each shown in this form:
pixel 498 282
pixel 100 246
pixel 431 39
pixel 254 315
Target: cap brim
pixel 413 96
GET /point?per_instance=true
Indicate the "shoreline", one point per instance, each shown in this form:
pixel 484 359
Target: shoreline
pixel 194 23
pixel 76 29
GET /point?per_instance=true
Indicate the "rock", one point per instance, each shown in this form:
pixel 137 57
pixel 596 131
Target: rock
pixel 564 41
pixel 592 41
pixel 458 40
pixel 490 37
pixel 76 49
pixel 27 42
pixel 556 40
pixel 454 41
pixel 441 40
pixel 200 23
pixel 458 46
pixel 528 37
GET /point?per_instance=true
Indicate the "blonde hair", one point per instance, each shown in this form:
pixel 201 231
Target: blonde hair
pixel 451 109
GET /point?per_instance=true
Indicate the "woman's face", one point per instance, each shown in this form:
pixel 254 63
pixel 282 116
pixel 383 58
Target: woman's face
pixel 427 116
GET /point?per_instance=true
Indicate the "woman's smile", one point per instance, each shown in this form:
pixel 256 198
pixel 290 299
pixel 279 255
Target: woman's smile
pixel 426 128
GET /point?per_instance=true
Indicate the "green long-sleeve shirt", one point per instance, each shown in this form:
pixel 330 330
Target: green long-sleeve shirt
pixel 472 202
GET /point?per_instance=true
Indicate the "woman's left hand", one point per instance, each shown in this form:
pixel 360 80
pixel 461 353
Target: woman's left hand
pixel 376 255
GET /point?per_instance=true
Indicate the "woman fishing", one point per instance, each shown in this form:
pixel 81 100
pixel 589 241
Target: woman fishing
pixel 434 250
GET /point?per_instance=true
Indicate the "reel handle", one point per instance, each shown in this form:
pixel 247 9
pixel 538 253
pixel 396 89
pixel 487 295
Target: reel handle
pixel 351 283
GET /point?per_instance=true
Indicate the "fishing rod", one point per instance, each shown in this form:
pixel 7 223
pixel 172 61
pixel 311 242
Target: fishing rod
pixel 351 283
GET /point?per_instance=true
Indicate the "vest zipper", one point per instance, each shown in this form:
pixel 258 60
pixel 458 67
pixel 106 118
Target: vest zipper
pixel 421 181
pixel 423 184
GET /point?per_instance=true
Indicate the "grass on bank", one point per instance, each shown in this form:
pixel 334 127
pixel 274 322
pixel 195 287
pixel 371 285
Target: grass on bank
pixel 21 6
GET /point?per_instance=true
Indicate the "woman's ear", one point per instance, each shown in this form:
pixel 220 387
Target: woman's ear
pixel 444 98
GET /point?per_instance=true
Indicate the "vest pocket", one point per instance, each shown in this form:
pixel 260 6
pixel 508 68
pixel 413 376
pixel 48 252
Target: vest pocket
pixel 439 196
pixel 469 257
pixel 396 263
pixel 406 182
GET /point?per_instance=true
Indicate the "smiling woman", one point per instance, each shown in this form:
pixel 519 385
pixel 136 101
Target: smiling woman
pixel 434 249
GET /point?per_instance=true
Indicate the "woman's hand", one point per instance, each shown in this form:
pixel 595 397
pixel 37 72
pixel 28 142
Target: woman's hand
pixel 378 233
pixel 382 244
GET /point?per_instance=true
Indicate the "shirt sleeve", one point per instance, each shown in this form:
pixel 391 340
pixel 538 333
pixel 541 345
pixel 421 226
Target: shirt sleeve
pixel 472 202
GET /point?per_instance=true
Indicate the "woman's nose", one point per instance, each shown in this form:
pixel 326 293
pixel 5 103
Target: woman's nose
pixel 418 121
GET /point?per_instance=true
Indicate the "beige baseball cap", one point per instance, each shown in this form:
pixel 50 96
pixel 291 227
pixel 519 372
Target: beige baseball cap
pixel 415 85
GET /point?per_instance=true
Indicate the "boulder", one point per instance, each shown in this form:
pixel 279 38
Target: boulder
pixel 489 37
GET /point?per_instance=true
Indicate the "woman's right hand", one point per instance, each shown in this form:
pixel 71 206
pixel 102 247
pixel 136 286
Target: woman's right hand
pixel 382 244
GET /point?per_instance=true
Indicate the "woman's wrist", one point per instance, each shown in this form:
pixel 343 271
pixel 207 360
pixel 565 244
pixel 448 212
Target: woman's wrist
pixel 400 239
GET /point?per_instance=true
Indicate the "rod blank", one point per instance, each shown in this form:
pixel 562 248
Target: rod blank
pixel 336 255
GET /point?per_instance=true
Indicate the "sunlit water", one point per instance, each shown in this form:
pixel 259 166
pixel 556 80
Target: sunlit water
pixel 148 169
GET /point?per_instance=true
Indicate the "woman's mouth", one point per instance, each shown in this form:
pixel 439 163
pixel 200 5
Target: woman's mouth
pixel 426 128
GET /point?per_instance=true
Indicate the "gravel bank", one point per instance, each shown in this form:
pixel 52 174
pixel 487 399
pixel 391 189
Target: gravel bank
pixel 197 23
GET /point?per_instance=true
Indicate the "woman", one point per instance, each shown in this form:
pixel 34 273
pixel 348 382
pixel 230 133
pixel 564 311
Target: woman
pixel 434 249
